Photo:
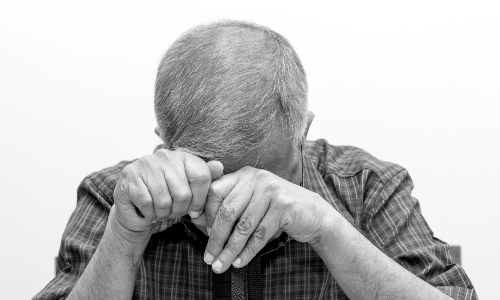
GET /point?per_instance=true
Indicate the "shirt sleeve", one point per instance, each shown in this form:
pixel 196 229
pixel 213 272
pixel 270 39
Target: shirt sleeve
pixel 397 227
pixel 79 242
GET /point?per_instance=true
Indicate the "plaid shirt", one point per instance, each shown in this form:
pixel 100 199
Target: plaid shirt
pixel 373 195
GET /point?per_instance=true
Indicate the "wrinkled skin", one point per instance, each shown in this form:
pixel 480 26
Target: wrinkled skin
pixel 260 194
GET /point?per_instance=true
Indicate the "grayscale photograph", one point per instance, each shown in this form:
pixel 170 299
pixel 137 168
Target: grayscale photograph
pixel 250 150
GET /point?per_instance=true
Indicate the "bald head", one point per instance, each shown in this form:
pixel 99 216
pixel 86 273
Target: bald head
pixel 223 88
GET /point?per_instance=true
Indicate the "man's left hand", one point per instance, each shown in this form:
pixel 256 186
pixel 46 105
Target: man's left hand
pixel 259 203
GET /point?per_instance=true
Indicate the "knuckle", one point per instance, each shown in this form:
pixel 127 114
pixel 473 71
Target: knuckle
pixel 143 198
pixel 215 238
pixel 259 234
pixel 143 206
pixel 197 206
pixel 232 248
pixel 200 176
pixel 132 173
pixel 226 213
pixel 141 162
pixel 286 204
pixel 163 205
pixel 127 171
pixel 244 226
pixel 273 186
pixel 123 189
pixel 163 190
pixel 213 193
pixel 261 174
pixel 252 248
pixel 176 215
pixel 183 195
pixel 162 153
pixel 275 191
pixel 127 176
pixel 210 215
pixel 248 169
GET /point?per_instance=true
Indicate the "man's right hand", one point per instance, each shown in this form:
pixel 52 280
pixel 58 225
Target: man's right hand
pixel 163 185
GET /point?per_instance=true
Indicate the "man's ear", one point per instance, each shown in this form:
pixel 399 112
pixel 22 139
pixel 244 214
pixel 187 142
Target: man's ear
pixel 310 118
pixel 166 144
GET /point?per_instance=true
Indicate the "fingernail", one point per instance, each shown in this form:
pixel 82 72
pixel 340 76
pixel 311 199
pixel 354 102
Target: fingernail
pixel 237 262
pixel 217 265
pixel 208 258
pixel 208 230
pixel 194 214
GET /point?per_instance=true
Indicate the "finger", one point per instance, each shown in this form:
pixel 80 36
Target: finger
pixel 230 210
pixel 199 177
pixel 138 212
pixel 200 221
pixel 141 198
pixel 157 186
pixel 243 230
pixel 121 193
pixel 217 192
pixel 179 188
pixel 216 169
pixel 267 227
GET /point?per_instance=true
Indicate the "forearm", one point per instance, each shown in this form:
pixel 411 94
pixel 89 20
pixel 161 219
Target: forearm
pixel 112 270
pixel 363 271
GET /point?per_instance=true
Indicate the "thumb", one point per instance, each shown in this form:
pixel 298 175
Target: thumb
pixel 219 190
pixel 216 169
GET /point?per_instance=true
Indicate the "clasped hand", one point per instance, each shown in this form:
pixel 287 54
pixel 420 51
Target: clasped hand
pixel 243 210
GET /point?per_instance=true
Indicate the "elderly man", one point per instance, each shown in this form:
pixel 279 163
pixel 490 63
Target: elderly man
pixel 236 204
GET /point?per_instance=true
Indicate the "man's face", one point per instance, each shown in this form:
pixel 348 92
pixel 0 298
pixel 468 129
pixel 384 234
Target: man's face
pixel 277 156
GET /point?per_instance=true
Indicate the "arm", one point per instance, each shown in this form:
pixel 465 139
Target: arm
pixel 80 240
pixel 395 252
pixel 111 272
pixel 93 262
pixel 363 271
pixel 100 255
pixel 257 203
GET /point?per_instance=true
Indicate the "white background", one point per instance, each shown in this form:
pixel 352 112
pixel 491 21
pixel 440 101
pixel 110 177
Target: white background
pixel 412 82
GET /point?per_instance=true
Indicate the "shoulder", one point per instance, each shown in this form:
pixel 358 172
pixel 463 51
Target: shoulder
pixel 101 184
pixel 348 161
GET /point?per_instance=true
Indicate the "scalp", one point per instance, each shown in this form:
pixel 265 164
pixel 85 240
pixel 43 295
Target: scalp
pixel 222 88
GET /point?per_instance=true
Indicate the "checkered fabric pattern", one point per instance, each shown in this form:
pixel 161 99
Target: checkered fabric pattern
pixel 373 195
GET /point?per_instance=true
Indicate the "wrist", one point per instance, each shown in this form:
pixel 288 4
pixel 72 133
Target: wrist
pixel 332 226
pixel 129 243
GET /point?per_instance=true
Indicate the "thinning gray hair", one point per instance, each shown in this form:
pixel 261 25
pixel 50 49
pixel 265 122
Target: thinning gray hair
pixel 222 88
